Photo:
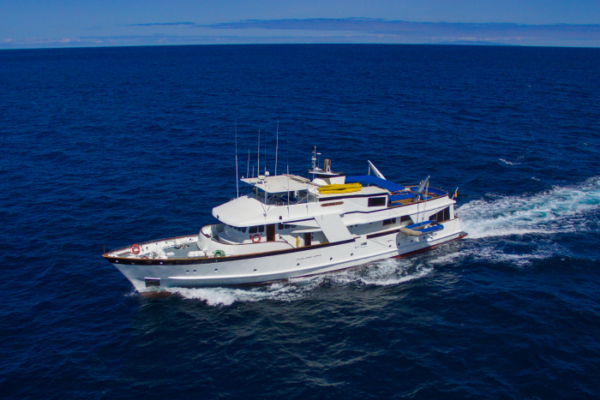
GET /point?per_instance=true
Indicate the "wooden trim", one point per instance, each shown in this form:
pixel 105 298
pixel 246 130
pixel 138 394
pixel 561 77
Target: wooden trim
pixel 337 203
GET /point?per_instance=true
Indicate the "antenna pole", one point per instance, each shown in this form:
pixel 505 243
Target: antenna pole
pixel 425 200
pixel 276 147
pixel 248 165
pixel 237 183
pixel 258 152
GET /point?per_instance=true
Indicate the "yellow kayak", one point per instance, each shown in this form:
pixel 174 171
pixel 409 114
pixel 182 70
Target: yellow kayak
pixel 340 188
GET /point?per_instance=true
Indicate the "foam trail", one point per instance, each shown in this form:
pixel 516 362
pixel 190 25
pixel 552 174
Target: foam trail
pixel 227 296
pixel 562 209
pixel 508 162
pixel 487 252
pixel 381 273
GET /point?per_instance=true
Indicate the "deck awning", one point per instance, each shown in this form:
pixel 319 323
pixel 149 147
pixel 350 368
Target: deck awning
pixel 373 180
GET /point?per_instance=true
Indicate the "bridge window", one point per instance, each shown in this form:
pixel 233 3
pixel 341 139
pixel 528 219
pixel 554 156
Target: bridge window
pixel 377 201
pixel 390 221
pixel 285 226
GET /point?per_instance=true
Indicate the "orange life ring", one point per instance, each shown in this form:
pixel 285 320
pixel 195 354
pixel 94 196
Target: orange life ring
pixel 135 249
pixel 255 238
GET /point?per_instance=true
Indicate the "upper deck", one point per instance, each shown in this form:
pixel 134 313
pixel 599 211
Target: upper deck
pixel 288 198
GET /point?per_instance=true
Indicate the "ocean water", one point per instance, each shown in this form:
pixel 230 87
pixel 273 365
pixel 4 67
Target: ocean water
pixel 108 147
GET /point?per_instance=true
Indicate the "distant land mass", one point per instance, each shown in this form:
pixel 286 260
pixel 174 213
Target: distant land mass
pixel 325 30
pixel 475 43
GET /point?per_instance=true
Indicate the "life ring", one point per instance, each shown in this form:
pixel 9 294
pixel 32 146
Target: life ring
pixel 255 238
pixel 135 249
pixel 219 253
pixel 145 257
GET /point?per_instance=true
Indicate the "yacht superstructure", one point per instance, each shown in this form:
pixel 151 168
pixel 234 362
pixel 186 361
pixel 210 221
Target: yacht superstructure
pixel 290 226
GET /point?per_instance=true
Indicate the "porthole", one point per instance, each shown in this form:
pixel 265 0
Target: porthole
pixel 254 270
pixel 298 264
pixel 330 258
pixel 216 269
pixel 194 270
pixel 351 254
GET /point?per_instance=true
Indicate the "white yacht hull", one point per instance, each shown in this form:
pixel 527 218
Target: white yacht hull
pixel 284 264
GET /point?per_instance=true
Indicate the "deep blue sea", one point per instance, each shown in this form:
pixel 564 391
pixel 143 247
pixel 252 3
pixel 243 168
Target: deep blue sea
pixel 113 146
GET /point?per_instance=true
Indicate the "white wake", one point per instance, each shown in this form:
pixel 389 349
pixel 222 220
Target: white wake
pixel 562 209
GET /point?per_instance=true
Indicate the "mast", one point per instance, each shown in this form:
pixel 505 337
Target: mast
pixel 237 183
pixel 276 147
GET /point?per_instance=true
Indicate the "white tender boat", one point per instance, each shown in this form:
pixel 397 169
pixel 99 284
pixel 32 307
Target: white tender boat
pixel 289 226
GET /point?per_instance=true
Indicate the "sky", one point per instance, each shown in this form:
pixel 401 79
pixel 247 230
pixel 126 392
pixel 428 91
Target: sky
pixel 76 23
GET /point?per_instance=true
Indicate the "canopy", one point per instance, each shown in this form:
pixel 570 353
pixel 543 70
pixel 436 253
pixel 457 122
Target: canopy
pixel 373 180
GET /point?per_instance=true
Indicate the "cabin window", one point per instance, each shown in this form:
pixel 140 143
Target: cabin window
pixel 376 201
pixel 390 221
pixel 253 229
pixel 441 216
pixel 286 226
pixel 405 218
pixel 261 228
